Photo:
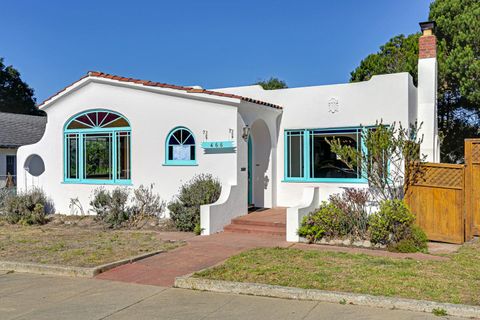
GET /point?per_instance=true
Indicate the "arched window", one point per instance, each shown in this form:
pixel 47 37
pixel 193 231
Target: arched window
pixel 180 147
pixel 97 148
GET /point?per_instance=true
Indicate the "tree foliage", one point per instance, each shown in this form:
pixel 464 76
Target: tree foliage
pixel 458 53
pixel 15 95
pixel 272 84
pixel 382 164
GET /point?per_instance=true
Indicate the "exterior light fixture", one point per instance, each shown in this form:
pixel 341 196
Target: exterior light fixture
pixel 205 134
pixel 245 132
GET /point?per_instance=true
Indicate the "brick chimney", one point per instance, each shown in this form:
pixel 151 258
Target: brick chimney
pixel 427 44
pixel 427 92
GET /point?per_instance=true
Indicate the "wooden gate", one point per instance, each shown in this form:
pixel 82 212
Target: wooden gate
pixel 472 186
pixel 437 198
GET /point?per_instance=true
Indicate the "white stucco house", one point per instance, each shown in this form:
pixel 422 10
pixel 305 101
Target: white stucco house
pixel 267 147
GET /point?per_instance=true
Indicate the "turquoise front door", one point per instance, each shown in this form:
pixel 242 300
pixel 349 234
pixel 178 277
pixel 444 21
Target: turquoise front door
pixel 250 169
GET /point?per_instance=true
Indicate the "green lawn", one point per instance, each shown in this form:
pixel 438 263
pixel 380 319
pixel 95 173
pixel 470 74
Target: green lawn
pixel 456 280
pixel 76 246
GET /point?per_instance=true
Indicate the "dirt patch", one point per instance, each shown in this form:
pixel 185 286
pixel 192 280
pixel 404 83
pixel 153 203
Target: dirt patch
pixel 80 242
pixel 89 221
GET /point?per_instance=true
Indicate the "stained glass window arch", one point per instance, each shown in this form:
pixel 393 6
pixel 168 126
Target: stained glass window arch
pixel 180 147
pixel 97 148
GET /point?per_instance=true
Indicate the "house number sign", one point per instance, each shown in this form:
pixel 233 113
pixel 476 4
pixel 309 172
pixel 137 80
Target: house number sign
pixel 217 144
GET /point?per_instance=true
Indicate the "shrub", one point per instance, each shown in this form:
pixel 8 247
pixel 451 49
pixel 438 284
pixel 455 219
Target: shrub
pixel 29 207
pixel 4 194
pixel 185 208
pixel 111 207
pixel 415 241
pixel 353 202
pixel 146 203
pixel 393 225
pixel 327 221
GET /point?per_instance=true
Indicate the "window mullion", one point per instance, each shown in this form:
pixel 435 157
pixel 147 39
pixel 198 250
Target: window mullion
pixel 113 154
pixel 306 156
pixel 81 156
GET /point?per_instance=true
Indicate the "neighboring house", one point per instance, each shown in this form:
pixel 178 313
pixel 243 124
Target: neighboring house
pixel 267 148
pixel 16 130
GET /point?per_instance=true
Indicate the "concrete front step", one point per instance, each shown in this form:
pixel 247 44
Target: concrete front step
pixel 257 229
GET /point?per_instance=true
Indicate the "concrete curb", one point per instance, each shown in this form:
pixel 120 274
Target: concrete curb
pixel 59 270
pixel 256 289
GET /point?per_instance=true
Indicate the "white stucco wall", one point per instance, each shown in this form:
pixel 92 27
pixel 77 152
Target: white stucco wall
pixel 152 116
pixel 391 98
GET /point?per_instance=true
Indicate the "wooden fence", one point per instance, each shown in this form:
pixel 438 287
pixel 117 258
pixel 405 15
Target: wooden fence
pixel 437 198
pixel 472 188
pixel 446 197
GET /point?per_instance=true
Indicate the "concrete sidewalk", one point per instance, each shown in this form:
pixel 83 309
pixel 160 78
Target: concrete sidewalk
pixel 25 296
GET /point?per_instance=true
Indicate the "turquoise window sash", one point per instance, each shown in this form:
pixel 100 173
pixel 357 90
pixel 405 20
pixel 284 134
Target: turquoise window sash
pixel 180 163
pixel 307 135
pixel 81 156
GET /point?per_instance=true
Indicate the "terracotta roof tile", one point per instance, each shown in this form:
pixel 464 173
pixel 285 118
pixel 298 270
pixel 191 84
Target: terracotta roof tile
pixel 149 83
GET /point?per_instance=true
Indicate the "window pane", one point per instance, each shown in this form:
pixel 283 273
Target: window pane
pixel 295 155
pixel 123 155
pixel 98 156
pixel 72 156
pixel 181 152
pixel 326 164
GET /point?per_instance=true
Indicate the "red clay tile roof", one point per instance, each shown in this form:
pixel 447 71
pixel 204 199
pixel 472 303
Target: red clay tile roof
pixel 164 85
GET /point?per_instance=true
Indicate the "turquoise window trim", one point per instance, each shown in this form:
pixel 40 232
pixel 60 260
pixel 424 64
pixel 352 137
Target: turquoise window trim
pixel 184 163
pixel 178 163
pixel 326 180
pixel 81 151
pixel 99 182
pixel 307 134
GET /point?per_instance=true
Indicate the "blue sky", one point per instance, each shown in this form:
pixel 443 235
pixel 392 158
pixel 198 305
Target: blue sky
pixel 208 43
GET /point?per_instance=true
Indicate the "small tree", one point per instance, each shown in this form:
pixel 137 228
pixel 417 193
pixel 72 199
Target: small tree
pixel 272 84
pixel 390 160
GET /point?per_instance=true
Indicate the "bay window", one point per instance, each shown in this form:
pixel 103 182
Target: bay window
pixel 309 158
pixel 97 148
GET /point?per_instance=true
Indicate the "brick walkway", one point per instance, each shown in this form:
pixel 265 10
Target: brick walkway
pixel 199 253
pixel 252 231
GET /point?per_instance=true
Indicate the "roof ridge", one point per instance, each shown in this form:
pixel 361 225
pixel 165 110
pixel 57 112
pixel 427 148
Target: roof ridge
pixel 148 83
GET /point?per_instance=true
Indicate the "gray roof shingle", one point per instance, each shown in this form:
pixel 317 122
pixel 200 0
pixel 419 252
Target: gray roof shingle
pixel 19 129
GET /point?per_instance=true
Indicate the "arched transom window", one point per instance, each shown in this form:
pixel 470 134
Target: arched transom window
pixel 97 148
pixel 180 149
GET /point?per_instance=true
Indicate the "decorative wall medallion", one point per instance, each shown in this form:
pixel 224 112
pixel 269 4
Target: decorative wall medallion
pixel 333 105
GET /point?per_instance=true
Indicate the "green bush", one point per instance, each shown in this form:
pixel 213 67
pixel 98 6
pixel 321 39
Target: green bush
pixel 415 241
pixel 393 225
pixel 185 208
pixel 327 221
pixel 111 207
pixel 29 207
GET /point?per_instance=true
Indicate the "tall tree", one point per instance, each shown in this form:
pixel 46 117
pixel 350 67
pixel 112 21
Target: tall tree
pixel 458 33
pixel 272 84
pixel 15 95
